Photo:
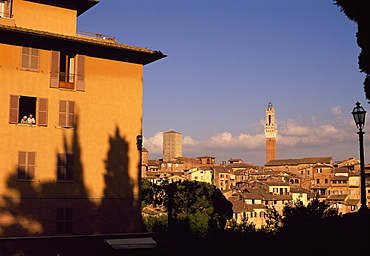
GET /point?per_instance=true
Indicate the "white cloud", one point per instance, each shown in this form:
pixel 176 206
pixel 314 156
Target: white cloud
pixel 294 141
pixel 336 110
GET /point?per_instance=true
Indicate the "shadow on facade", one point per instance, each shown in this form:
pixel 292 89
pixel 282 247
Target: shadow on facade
pixel 34 211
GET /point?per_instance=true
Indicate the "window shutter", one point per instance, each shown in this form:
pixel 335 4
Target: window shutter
pixel 54 69
pixel 25 57
pixel 22 163
pixel 13 110
pixel 34 59
pixel 61 166
pixel 42 111
pixel 63 113
pixel 80 72
pixel 31 165
pixel 71 113
pixel 69 166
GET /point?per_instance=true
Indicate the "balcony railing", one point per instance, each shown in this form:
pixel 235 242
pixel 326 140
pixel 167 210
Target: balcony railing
pixel 96 35
pixel 66 80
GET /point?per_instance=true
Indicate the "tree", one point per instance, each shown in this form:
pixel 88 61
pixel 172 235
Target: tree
pixel 193 205
pixel 359 12
pixel 316 212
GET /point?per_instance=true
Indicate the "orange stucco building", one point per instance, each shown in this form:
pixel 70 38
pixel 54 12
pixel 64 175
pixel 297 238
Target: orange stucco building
pixel 76 170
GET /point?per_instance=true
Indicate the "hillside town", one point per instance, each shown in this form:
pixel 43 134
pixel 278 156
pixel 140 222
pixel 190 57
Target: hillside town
pixel 252 188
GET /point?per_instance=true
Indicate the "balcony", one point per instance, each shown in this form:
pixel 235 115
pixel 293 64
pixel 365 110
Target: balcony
pixel 66 80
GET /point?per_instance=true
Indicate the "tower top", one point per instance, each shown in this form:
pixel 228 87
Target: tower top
pixel 269 105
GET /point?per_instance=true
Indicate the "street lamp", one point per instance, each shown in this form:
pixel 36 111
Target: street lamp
pixel 359 114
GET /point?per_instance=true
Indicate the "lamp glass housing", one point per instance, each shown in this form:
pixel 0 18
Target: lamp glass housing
pixel 359 114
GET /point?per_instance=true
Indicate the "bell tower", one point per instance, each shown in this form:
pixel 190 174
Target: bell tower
pixel 270 133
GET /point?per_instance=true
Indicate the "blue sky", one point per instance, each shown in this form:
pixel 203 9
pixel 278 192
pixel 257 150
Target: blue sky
pixel 227 59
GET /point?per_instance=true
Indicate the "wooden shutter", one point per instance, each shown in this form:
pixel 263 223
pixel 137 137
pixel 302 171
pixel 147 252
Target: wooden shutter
pixel 25 58
pixel 54 69
pixel 30 58
pixel 69 166
pixel 42 111
pixel 61 167
pixel 80 73
pixel 22 164
pixel 71 114
pixel 31 165
pixel 63 113
pixel 13 109
pixel 34 59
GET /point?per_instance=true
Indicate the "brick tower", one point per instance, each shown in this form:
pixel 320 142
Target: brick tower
pixel 270 133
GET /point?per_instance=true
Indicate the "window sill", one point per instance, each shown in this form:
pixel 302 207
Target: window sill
pixel 62 127
pixel 26 180
pixel 65 181
pixel 31 125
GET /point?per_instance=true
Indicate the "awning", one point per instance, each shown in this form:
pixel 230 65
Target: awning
pixel 132 243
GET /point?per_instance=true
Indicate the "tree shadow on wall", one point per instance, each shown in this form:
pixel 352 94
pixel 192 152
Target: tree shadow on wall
pixel 34 211
pixel 119 205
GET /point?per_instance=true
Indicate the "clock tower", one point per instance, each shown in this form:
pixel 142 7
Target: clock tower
pixel 270 133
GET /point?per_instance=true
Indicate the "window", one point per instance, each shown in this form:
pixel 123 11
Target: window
pixel 340 192
pixel 308 172
pixel 66 113
pixel 30 59
pixel 318 181
pixel 65 167
pixel 326 181
pixel 6 8
pixel 26 165
pixel 67 71
pixel 319 170
pixel 21 106
pixel 353 207
pixel 64 221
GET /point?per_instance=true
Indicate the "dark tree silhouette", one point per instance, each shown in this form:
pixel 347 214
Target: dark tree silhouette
pixel 359 12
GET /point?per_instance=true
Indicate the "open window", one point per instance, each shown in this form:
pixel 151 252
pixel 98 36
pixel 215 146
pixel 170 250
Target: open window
pixel 6 8
pixel 67 71
pixel 24 106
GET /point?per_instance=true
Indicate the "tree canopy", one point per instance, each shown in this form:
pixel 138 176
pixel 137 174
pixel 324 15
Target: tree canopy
pixel 199 205
pixel 359 12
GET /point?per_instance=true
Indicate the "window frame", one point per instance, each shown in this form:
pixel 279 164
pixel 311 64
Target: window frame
pixel 66 114
pixel 65 167
pixel 30 59
pixel 41 110
pixel 64 221
pixel 28 165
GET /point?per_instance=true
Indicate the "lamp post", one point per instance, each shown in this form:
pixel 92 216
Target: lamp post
pixel 359 114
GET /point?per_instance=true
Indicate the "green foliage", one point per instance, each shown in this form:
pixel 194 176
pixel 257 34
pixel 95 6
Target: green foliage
pixel 155 223
pixel 315 212
pixel 199 224
pixel 193 205
pixel 274 221
pixel 243 227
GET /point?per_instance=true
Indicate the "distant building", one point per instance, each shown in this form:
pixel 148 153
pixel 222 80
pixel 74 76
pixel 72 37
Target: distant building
pixel 270 133
pixel 172 146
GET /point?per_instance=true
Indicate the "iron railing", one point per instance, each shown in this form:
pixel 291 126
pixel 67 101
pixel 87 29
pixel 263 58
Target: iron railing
pixel 96 35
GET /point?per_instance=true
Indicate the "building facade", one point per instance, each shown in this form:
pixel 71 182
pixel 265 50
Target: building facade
pixel 172 146
pixel 73 166
pixel 270 133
